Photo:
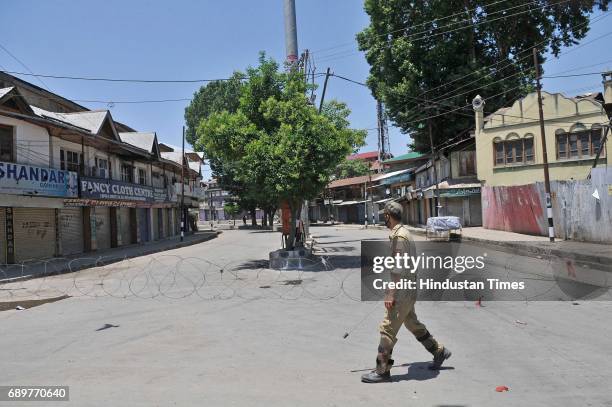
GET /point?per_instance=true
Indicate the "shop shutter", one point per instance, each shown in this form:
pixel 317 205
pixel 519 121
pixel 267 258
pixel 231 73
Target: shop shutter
pixel 475 210
pixel 164 214
pixel 124 225
pixel 102 227
pixel 167 222
pixel 155 223
pixel 143 224
pixel 34 233
pixel 2 236
pixel 71 230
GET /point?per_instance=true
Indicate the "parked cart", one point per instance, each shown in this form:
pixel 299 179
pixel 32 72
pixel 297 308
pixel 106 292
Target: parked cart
pixel 441 227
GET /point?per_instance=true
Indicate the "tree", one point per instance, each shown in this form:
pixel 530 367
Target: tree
pixel 232 209
pixel 351 168
pixel 428 58
pixel 277 145
pixel 214 97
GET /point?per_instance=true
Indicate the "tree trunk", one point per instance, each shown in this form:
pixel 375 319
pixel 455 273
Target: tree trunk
pixel 253 217
pixel 264 220
pixel 271 215
pixel 295 209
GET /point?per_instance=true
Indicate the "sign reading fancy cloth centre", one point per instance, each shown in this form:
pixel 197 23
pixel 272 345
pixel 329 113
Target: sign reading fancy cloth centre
pixel 97 188
pixel 22 179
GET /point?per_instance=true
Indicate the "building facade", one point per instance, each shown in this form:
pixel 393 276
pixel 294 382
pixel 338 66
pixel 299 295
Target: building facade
pixel 74 180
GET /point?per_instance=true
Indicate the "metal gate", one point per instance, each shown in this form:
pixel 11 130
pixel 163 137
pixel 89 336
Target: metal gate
pixel 101 232
pixel 2 237
pixel 164 223
pixel 71 230
pixel 34 233
pixel 143 224
pixel 123 226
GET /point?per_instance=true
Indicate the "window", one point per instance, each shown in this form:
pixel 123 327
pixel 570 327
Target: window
pixel 142 176
pixel 127 173
pixel 528 145
pixel 6 144
pixel 101 168
pixel 580 144
pixel 70 161
pixel 515 151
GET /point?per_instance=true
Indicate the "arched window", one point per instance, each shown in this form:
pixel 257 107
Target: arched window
pixel 528 147
pixel 498 151
pixel 580 142
pixel 514 150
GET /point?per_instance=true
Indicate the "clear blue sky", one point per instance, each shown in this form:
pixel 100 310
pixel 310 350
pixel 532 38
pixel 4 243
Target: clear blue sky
pixel 187 39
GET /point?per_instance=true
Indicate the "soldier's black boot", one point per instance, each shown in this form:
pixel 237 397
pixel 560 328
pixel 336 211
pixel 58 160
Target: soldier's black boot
pixel 439 352
pixel 383 369
pixel 440 357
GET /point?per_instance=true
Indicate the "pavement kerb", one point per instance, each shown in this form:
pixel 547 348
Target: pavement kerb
pixel 110 259
pixel 531 249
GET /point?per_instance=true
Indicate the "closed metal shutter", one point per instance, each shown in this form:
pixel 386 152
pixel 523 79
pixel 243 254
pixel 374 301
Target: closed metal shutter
pixel 143 224
pixel 71 230
pixel 155 212
pixel 475 210
pixel 167 222
pixel 164 214
pixel 2 236
pixel 34 233
pixel 123 224
pixel 102 227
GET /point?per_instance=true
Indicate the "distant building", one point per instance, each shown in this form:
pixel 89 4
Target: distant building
pixel 509 147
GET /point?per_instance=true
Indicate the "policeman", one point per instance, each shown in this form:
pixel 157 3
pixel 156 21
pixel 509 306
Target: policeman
pixel 399 305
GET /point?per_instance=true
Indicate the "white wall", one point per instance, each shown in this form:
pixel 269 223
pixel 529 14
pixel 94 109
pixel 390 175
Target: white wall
pixel 32 142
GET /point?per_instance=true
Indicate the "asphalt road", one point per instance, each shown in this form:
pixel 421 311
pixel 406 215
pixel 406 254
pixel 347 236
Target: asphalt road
pixel 210 325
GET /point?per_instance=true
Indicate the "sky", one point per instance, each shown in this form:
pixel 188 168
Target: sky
pixel 209 39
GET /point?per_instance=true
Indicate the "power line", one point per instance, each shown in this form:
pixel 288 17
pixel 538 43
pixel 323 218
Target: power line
pixel 25 66
pixel 415 25
pixel 426 34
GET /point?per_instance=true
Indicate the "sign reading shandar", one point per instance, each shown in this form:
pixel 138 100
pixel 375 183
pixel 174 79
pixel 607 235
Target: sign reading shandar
pixel 22 179
pixel 109 189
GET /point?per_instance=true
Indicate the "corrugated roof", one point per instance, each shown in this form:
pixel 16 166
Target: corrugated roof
pixel 390 174
pixel 408 156
pixel 348 181
pixel 173 156
pixel 144 140
pixel 4 91
pixel 90 120
pixel 363 156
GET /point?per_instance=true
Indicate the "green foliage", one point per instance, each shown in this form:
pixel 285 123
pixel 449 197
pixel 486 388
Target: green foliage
pixel 214 97
pixel 232 209
pixel 351 168
pixel 412 63
pixel 276 146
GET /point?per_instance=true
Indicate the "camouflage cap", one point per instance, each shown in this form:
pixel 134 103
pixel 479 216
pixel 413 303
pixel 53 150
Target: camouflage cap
pixel 394 209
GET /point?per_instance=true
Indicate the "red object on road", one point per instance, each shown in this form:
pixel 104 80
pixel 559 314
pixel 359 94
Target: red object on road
pixel 479 302
pixel 500 389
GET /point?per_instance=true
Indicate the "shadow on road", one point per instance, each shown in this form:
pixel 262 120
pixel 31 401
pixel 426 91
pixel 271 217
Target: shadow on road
pixel 418 371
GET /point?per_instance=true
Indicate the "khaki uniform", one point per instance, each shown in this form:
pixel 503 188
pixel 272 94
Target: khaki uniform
pixel 402 312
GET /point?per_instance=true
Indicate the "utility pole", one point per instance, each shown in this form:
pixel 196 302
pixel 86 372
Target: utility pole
pixel 327 74
pixel 433 164
pixel 291 46
pixel 183 220
pixel 551 228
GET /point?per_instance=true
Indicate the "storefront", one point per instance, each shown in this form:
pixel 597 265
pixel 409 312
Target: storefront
pixel 31 217
pixel 71 231
pixel 121 211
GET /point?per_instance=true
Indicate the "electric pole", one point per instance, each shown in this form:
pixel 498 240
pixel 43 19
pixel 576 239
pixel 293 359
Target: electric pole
pixel 551 228
pixel 327 74
pixel 433 164
pixel 183 220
